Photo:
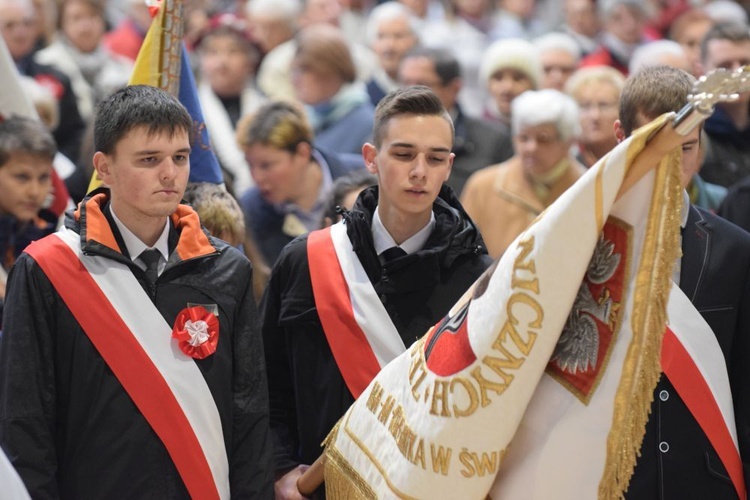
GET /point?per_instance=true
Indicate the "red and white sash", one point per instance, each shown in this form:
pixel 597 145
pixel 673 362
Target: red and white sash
pixel 135 342
pixel 362 336
pixel 692 360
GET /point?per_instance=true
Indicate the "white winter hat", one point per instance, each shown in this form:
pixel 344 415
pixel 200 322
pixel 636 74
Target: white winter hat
pixel 513 53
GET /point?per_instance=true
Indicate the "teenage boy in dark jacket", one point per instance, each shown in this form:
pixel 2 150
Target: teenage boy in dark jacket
pixel 129 363
pixel 343 301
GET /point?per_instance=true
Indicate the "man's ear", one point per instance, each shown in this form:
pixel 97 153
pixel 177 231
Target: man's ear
pixel 450 166
pixel 369 152
pixel 619 132
pixel 102 166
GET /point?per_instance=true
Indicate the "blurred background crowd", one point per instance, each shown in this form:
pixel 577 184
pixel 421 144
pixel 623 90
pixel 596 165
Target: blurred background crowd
pixel 289 87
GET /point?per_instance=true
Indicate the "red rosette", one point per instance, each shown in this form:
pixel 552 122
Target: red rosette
pixel 197 331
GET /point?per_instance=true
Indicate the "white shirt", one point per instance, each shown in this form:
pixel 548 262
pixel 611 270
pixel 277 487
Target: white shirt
pixel 383 239
pixel 136 247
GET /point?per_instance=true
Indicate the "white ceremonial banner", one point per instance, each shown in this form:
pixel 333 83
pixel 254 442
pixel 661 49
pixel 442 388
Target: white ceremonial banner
pixel 449 416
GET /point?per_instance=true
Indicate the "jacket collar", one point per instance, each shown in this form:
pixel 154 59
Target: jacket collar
pixel 97 236
pixel 696 244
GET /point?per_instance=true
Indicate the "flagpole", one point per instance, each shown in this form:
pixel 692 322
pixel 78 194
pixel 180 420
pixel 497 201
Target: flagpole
pixel 312 478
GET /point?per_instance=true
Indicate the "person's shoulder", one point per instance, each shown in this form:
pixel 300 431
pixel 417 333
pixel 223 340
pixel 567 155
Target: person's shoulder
pixel 47 75
pixel 357 120
pixel 341 163
pixel 483 176
pixel 229 253
pixel 294 253
pixel 741 188
pixel 256 209
pixel 729 232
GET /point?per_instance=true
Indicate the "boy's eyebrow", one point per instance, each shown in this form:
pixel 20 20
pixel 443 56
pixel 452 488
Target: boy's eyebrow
pixel 409 145
pixel 146 152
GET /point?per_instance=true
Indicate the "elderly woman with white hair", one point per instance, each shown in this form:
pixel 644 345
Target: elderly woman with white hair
pixel 560 55
pixel 392 31
pixel 504 199
pixel 509 68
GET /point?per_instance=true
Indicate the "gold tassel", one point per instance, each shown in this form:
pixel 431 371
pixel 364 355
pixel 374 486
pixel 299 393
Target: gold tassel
pixel 642 368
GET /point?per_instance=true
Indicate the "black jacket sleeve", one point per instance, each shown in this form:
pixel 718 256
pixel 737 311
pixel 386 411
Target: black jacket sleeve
pixel 281 387
pixel 251 474
pixel 27 379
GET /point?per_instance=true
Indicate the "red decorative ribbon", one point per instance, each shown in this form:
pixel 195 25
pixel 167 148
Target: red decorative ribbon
pixel 197 331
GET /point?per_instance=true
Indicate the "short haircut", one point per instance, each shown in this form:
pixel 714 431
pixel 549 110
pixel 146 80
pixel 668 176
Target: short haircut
pixel 389 11
pixel 651 92
pixel 652 54
pixel 593 74
pixel 138 106
pixel 229 26
pixel 323 49
pixel 21 135
pixel 446 65
pixel 278 124
pixel 284 10
pixel 96 5
pixel 537 107
pixel 558 41
pixel 218 210
pixel 416 101
pixel 733 32
pixel 685 20
pixel 606 7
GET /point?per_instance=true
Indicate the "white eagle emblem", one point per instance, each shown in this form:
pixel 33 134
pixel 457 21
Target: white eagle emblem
pixel 578 347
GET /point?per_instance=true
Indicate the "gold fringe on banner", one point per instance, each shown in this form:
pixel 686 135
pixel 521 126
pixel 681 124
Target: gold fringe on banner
pixel 653 281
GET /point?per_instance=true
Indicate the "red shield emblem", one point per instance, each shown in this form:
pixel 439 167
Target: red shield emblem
pixel 582 352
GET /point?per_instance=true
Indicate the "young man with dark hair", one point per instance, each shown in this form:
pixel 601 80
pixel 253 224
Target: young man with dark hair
pixel 343 301
pixel 678 458
pixel 129 363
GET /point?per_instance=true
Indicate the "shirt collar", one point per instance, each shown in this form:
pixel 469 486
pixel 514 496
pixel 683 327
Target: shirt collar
pixel 135 246
pixel 383 239
pixel 685 209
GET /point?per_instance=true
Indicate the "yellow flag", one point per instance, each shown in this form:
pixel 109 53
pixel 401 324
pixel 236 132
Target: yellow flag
pixel 159 60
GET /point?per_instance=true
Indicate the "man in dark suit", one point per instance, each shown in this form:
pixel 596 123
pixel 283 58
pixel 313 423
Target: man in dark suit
pixel 478 144
pixel 677 460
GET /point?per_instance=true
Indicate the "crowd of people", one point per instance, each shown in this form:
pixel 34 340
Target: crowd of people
pixel 436 130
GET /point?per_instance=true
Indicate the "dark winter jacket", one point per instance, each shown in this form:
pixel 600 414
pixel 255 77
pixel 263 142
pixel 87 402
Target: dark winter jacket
pixel 727 159
pixel 67 423
pixel 307 392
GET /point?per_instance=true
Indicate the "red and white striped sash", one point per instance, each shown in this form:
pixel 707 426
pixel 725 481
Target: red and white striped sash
pixel 692 360
pixel 362 336
pixel 135 342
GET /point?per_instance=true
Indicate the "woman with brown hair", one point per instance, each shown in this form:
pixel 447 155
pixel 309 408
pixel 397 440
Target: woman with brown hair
pixel 292 177
pixel 324 78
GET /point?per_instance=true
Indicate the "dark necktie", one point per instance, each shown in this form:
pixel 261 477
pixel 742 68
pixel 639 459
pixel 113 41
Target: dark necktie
pixel 392 253
pixel 151 259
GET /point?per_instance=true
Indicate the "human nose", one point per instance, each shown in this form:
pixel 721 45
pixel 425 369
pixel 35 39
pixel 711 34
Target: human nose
pixel 169 169
pixel 419 167
pixel 34 189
